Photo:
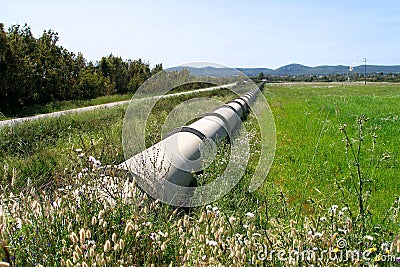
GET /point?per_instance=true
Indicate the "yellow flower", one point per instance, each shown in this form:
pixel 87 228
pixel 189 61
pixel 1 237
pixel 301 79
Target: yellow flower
pixel 372 250
pixel 336 250
pixel 378 258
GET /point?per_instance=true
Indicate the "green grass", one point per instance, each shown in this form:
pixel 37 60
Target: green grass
pixel 311 154
pixel 116 224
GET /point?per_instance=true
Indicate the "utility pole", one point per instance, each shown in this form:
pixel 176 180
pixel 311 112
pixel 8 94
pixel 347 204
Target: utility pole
pixel 365 71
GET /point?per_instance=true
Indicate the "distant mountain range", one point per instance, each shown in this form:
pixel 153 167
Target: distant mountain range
pixel 291 70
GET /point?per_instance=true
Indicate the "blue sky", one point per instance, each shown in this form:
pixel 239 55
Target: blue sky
pixel 232 33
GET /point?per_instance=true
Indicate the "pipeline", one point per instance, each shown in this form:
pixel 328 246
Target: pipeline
pixel 179 154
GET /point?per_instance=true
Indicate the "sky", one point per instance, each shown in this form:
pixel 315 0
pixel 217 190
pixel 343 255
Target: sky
pixel 232 33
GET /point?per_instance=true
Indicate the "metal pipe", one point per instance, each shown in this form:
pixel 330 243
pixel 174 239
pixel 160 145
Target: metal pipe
pixel 178 155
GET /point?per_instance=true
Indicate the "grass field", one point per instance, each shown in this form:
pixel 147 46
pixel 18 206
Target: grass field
pixel 298 207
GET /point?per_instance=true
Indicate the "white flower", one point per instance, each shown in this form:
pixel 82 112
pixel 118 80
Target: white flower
pixel 369 237
pixel 215 209
pixel 18 224
pixel 162 234
pixel 317 235
pixel 208 207
pixel 211 243
pixel 250 214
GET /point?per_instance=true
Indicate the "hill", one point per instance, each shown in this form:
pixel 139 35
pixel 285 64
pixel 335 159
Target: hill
pixel 291 70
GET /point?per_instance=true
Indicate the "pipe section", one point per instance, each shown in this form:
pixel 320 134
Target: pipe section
pixel 178 155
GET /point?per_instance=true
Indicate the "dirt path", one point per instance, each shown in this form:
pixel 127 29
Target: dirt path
pixel 108 105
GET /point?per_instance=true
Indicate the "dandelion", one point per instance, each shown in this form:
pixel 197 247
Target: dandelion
pixel 372 250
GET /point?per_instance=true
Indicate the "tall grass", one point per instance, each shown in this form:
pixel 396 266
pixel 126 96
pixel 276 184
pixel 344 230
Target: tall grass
pixel 96 216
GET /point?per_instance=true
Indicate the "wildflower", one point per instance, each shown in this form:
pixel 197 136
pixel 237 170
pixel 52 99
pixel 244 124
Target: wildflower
pixel 114 237
pixel 372 250
pixel 162 234
pixel 369 237
pixel 18 224
pixel 88 234
pixel 211 243
pixel 121 243
pixel 317 235
pixel 82 235
pixel 128 227
pixel 250 214
pixel 78 250
pixel 73 237
pixel 107 246
pixel 75 256
pixel 232 220
pixel 336 250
